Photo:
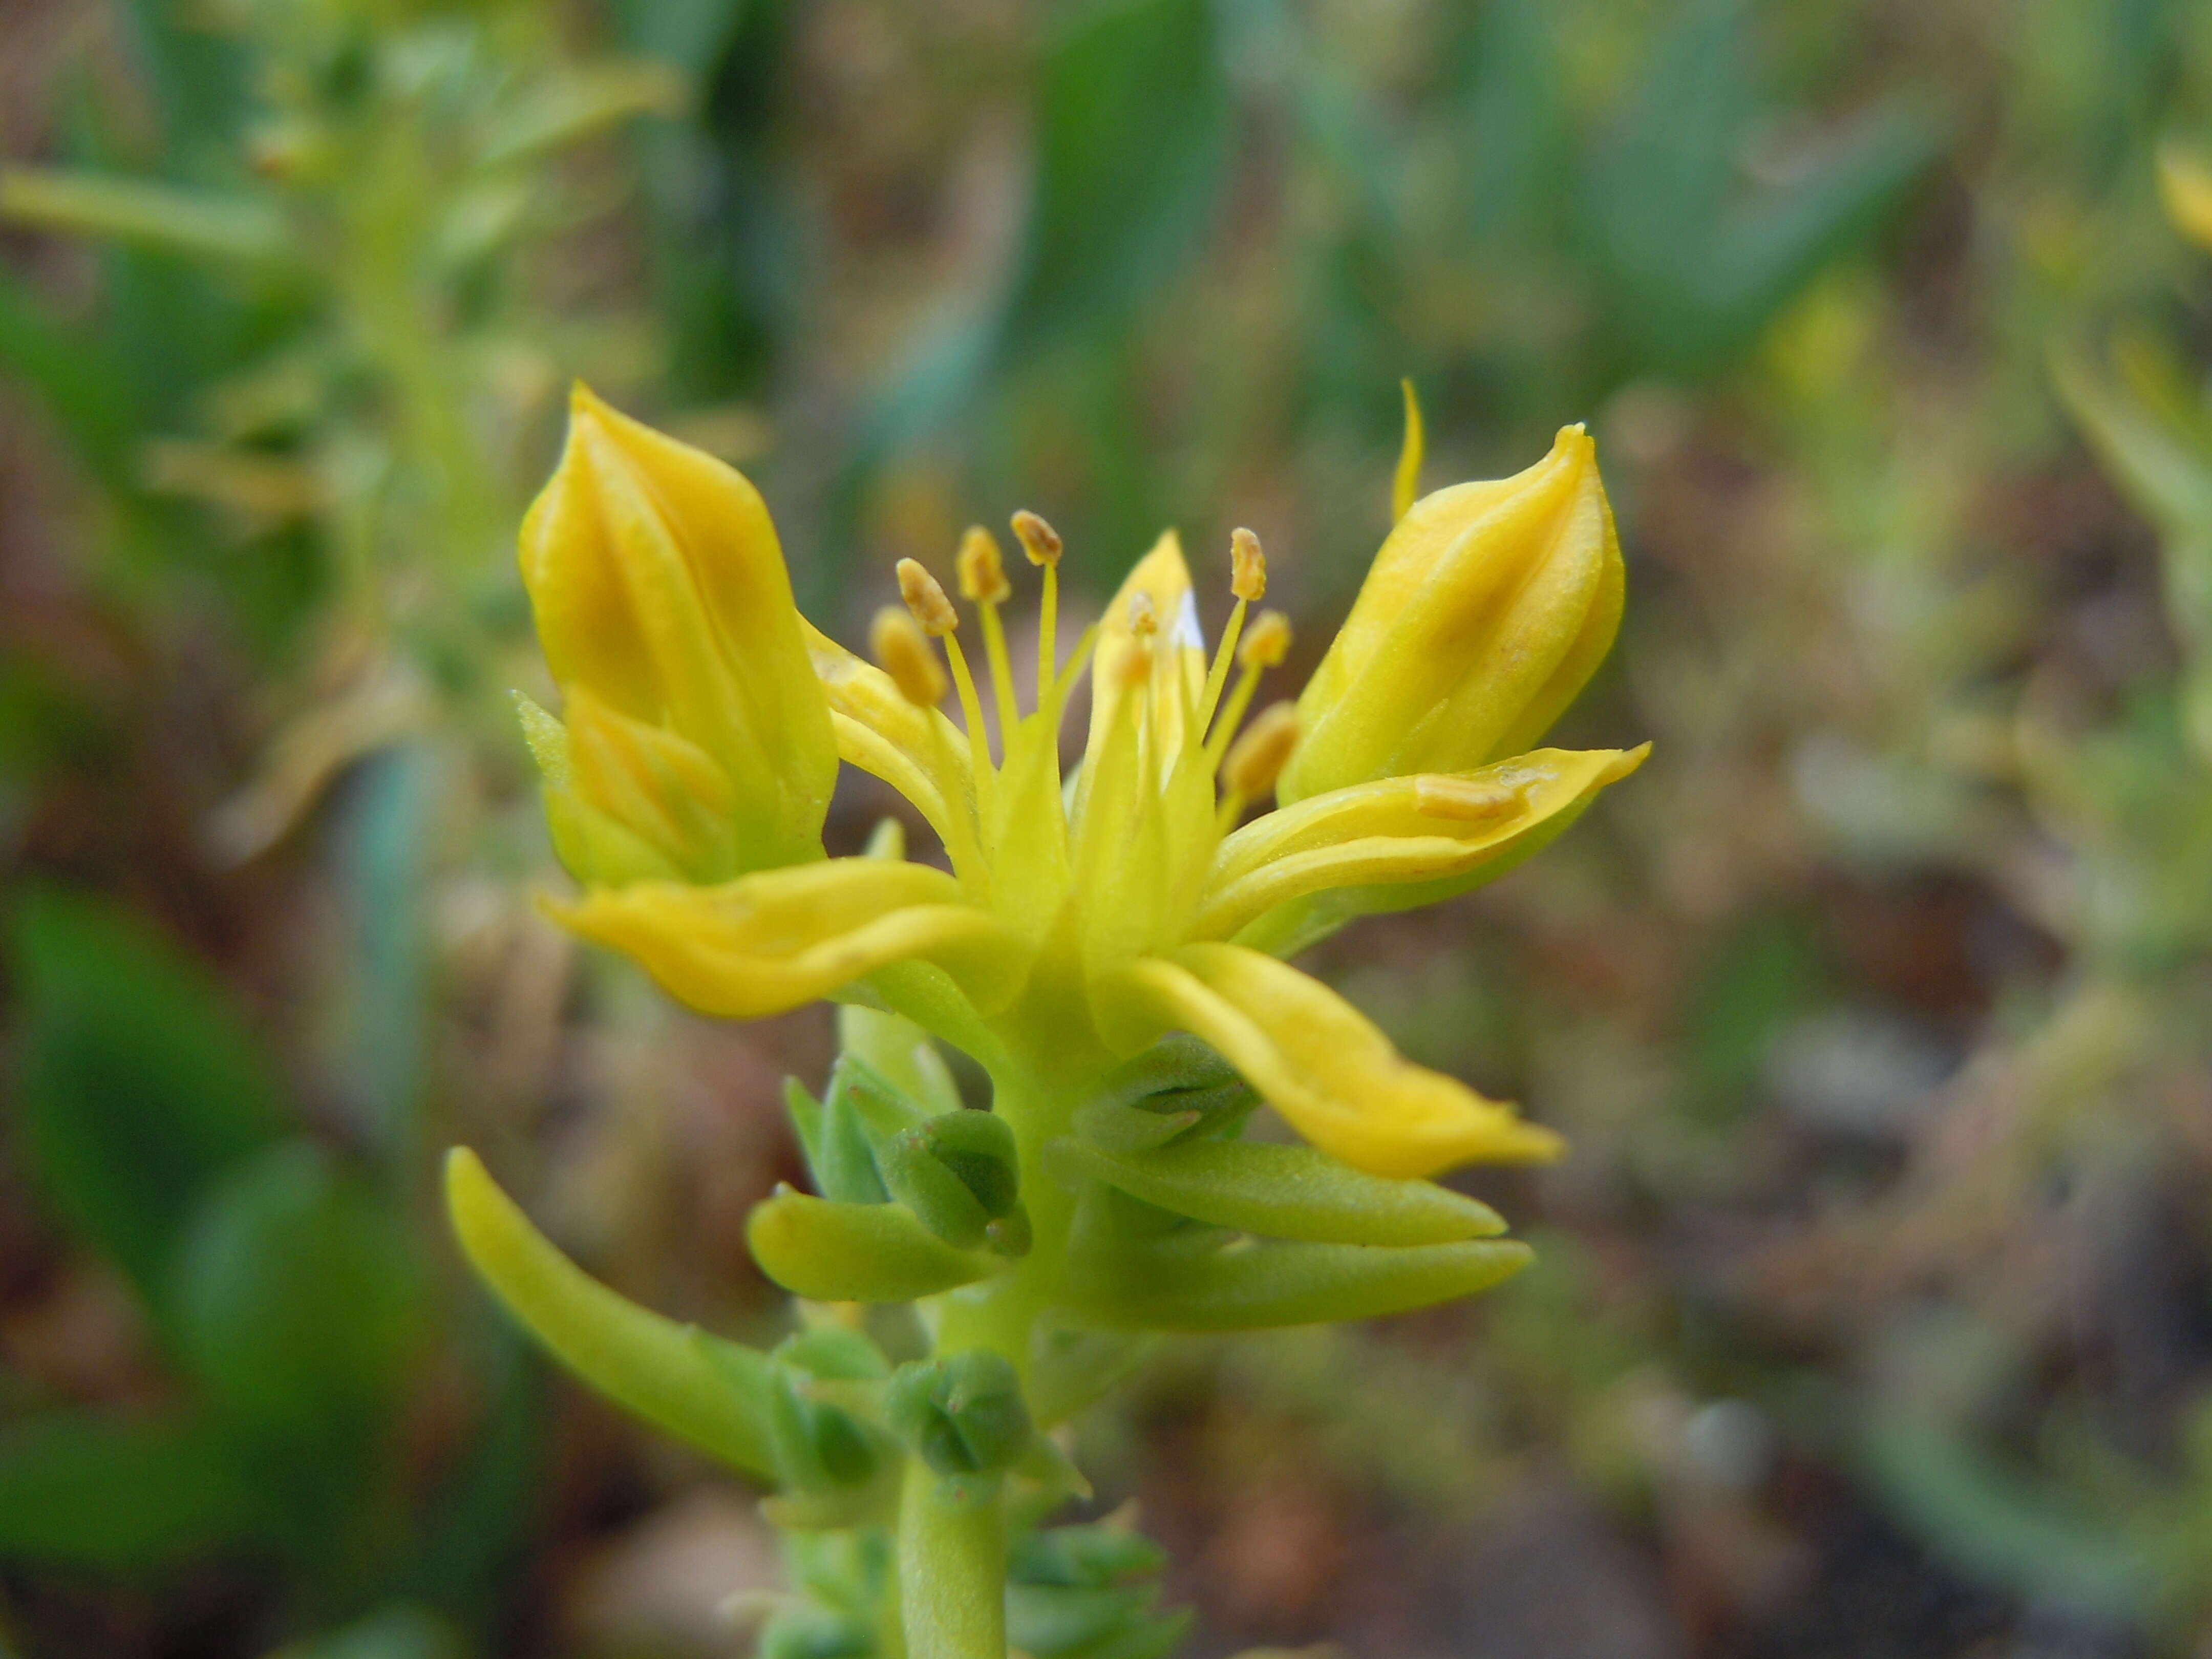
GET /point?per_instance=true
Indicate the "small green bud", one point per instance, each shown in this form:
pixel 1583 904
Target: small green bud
pixel 819 1445
pixel 962 1414
pixel 956 1172
pixel 1177 1088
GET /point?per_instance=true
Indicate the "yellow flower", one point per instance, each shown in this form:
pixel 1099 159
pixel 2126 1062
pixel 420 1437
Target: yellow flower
pixel 697 741
pixel 1079 922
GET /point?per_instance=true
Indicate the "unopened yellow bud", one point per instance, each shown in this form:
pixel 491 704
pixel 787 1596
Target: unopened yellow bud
pixel 1038 540
pixel 927 600
pixel 1267 642
pixel 1489 607
pixel 660 596
pixel 1255 760
pixel 901 650
pixel 983 572
pixel 1247 566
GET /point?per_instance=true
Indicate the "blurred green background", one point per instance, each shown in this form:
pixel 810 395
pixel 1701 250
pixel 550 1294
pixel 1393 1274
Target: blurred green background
pixel 1873 1314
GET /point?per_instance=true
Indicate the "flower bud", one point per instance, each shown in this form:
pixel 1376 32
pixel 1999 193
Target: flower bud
pixel 661 598
pixel 962 1414
pixel 957 1173
pixel 1487 610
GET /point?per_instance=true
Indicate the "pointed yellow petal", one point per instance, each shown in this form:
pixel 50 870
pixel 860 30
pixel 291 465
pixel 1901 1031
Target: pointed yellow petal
pixel 1161 580
pixel 878 731
pixel 1429 836
pixel 1486 611
pixel 1318 1061
pixel 778 938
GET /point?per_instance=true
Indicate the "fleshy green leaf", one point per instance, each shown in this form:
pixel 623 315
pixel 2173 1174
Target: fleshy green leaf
pixel 711 1393
pixel 86 1490
pixel 299 1299
pixel 1283 1192
pixel 831 1252
pixel 139 1085
pixel 1262 1287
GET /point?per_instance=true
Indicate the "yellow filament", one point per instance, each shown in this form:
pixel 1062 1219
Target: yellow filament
pixel 971 714
pixel 1218 675
pixel 1002 671
pixel 1048 624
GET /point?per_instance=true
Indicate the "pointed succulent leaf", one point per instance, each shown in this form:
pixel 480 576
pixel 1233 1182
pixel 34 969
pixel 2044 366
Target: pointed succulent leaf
pixel 1263 1286
pixel 1283 1192
pixel 831 1252
pixel 709 1392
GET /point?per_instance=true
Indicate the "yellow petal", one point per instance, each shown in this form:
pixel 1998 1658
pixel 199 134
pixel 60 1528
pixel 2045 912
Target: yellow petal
pixel 878 731
pixel 1161 580
pixel 1318 1061
pixel 658 585
pixel 777 939
pixel 1488 608
pixel 1433 834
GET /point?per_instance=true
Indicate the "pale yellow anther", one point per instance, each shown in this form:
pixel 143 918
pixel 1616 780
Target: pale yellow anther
pixel 983 572
pixel 1247 566
pixel 1257 757
pixel 903 651
pixel 1038 540
pixel 1266 642
pixel 1471 800
pixel 1144 619
pixel 926 599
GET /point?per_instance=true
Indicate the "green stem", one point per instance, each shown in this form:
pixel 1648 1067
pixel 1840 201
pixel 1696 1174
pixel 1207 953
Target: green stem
pixel 951 1567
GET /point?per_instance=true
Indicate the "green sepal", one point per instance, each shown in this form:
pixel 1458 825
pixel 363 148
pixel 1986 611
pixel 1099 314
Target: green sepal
pixel 962 1414
pixel 1090 1555
pixel 827 1251
pixel 1262 1287
pixel 805 1114
pixel 1281 1192
pixel 815 1633
pixel 1052 1620
pixel 701 1389
pixel 1069 1369
pixel 846 1170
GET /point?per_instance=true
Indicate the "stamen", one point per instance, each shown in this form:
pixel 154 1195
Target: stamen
pixel 1256 759
pixel 1247 581
pixel 983 581
pixel 1247 566
pixel 1266 646
pixel 1041 544
pixel 903 652
pixel 926 599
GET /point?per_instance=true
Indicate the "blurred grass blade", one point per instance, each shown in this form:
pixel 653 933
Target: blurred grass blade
pixel 197 224
pixel 85 392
